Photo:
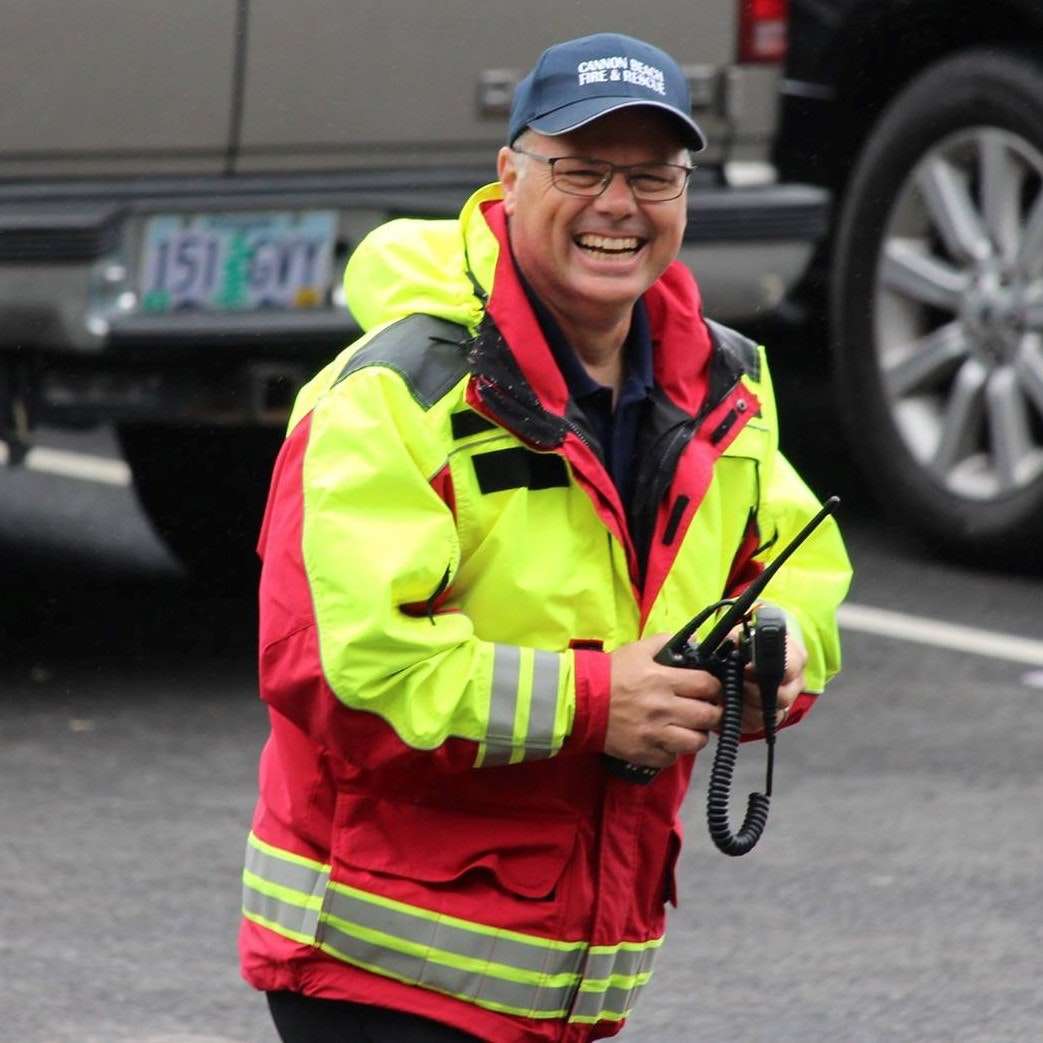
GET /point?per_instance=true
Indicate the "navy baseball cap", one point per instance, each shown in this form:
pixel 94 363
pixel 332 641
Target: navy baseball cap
pixel 579 80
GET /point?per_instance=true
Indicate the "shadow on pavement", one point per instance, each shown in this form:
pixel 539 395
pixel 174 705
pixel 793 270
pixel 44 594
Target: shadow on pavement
pixel 77 607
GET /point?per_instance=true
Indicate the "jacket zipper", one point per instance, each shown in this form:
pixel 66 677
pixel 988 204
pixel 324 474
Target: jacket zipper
pixel 652 483
pixel 661 465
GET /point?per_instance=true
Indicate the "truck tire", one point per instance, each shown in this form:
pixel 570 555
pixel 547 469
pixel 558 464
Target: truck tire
pixel 204 490
pixel 937 306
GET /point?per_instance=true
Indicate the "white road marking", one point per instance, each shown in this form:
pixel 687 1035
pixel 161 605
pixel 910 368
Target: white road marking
pixel 903 627
pixel 67 464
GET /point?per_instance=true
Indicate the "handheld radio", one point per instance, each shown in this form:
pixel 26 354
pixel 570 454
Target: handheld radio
pixel 762 642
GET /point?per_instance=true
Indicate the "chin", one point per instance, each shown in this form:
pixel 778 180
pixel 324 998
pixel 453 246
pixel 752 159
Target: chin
pixel 608 291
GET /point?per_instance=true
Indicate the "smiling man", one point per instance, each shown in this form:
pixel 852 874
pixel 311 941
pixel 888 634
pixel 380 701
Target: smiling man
pixel 487 516
pixel 585 236
pixel 591 242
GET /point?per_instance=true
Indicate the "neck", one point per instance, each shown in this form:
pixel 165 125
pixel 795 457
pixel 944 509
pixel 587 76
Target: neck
pixel 598 339
pixel 598 345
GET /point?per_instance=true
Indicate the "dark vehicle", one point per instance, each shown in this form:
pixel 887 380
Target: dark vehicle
pixel 924 118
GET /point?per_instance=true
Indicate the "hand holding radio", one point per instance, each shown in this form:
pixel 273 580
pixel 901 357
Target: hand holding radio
pixel 791 686
pixel 745 635
pixel 657 713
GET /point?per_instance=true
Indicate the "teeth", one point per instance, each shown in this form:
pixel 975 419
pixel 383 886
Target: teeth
pixel 610 244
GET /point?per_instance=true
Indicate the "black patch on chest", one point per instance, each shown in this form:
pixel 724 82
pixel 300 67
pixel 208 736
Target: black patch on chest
pixel 519 469
pixel 467 423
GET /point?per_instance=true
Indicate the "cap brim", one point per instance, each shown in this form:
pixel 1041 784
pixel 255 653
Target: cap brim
pixel 580 113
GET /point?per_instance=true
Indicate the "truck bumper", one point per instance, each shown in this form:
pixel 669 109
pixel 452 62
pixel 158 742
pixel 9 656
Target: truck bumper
pixel 67 269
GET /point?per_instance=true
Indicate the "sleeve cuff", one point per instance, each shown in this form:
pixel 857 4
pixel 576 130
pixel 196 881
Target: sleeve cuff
pixel 593 678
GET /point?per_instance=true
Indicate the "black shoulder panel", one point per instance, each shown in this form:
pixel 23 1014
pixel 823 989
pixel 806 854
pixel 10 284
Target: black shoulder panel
pixel 740 349
pixel 429 354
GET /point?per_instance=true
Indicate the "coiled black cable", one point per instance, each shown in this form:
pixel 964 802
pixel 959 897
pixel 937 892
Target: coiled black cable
pixel 719 790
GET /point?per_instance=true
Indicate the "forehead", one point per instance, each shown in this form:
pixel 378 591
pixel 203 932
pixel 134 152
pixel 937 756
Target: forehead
pixel 641 129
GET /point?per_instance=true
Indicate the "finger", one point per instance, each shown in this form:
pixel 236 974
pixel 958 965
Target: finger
pixel 753 701
pixel 796 657
pixel 655 643
pixel 680 741
pixel 694 684
pixel 788 692
pixel 752 720
pixel 695 714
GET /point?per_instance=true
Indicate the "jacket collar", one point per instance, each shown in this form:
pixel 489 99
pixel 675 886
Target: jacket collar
pixel 517 383
pixel 681 343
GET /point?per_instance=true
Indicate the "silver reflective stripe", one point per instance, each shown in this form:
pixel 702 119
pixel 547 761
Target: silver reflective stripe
pixel 302 922
pixel 612 981
pixel 502 970
pixel 426 969
pixel 282 893
pixel 503 699
pixel 539 741
pixel 295 875
pixel 543 710
pixel 601 965
pixel 490 946
pixel 611 1005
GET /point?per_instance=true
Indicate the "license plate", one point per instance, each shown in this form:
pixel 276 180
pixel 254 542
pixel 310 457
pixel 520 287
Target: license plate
pixel 237 261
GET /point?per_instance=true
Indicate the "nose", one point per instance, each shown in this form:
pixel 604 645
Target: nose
pixel 617 200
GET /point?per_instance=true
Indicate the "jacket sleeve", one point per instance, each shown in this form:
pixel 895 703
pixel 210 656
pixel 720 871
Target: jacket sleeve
pixel 359 550
pixel 812 583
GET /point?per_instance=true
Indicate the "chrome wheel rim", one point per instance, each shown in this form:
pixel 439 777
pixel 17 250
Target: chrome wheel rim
pixel 958 313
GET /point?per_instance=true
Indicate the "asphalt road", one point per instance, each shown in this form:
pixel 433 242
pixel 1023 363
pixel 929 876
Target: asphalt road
pixel 896 895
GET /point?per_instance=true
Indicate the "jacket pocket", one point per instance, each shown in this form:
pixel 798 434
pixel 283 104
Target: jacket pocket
pixel 449 850
pixel 466 903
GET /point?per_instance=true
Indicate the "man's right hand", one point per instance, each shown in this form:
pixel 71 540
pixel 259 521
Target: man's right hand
pixel 656 713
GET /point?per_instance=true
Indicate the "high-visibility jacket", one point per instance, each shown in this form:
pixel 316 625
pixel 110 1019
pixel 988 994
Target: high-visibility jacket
pixel 446 564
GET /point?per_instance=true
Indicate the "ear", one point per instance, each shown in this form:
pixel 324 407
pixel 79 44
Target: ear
pixel 507 172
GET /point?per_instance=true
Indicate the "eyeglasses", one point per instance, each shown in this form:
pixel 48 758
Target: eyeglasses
pixel 579 176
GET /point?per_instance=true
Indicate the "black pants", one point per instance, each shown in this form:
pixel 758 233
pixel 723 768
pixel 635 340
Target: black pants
pixel 303 1019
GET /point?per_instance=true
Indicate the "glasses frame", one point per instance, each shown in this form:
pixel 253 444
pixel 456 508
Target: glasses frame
pixel 613 169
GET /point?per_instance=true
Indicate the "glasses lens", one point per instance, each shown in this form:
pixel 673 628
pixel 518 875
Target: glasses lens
pixel 589 177
pixel 581 177
pixel 657 181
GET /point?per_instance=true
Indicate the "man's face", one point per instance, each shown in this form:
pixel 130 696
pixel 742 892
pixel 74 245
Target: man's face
pixel 580 252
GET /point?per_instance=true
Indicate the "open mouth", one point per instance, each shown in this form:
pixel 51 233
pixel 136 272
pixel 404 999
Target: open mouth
pixel 609 245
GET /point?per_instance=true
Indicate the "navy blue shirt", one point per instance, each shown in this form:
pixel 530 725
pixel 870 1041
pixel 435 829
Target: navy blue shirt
pixel 614 430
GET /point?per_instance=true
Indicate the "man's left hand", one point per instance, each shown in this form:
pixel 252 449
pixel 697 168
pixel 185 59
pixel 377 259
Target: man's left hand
pixel 792 685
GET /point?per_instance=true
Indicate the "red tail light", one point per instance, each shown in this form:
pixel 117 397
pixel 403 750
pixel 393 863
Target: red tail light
pixel 762 30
